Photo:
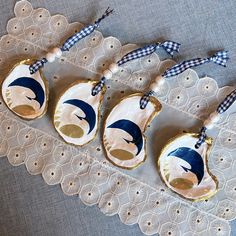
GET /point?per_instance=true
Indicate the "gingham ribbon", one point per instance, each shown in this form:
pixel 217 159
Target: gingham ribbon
pixel 145 99
pixel 168 46
pixel 219 58
pixel 224 106
pixel 227 102
pixel 98 87
pixel 70 42
pixel 37 65
pixel 202 137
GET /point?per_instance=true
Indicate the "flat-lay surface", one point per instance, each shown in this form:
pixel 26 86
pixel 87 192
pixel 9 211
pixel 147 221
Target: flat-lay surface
pixel 150 176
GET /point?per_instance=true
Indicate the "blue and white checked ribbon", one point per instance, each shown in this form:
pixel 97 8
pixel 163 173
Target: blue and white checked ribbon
pixel 219 58
pixel 145 99
pixel 224 106
pixel 37 65
pixel 99 86
pixel 168 46
pixel 70 42
pixel 227 102
pixel 84 32
pixel 202 137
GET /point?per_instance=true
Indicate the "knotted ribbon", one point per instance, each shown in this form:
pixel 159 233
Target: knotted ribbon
pixel 169 46
pixel 223 107
pixel 220 58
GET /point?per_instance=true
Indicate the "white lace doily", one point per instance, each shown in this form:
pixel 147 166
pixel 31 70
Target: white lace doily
pixel 137 196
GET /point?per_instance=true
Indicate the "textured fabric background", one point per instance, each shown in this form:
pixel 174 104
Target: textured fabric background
pixel 30 207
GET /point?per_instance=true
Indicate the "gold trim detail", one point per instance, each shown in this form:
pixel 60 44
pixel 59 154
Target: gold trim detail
pixel 29 62
pixel 93 82
pixel 158 108
pixel 209 142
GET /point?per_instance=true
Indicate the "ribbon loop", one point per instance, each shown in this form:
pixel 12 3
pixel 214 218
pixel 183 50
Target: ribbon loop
pixel 145 99
pixel 98 87
pixel 223 106
pixel 37 65
pixel 168 46
pixel 219 58
pixel 84 32
pixel 202 137
pixel 137 53
pixel 71 41
pixel 227 102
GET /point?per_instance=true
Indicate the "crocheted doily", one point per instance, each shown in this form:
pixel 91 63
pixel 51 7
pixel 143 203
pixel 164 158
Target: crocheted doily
pixel 137 196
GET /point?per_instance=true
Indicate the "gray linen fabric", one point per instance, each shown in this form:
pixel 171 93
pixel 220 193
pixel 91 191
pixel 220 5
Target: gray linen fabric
pixel 30 207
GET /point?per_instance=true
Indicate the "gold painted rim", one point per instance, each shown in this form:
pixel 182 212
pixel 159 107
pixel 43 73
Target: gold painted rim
pixel 209 142
pixel 93 82
pixel 158 108
pixel 29 62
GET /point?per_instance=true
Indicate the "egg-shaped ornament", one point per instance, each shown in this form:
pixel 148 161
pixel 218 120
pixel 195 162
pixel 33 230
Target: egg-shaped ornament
pixel 24 93
pixel 123 138
pixel 77 113
pixel 184 169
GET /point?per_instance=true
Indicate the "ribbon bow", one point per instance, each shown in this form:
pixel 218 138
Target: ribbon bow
pixel 220 58
pixel 169 46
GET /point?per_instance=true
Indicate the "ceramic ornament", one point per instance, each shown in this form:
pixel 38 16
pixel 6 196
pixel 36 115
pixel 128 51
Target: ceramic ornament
pixel 123 137
pixel 183 161
pixel 25 90
pixel 77 111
